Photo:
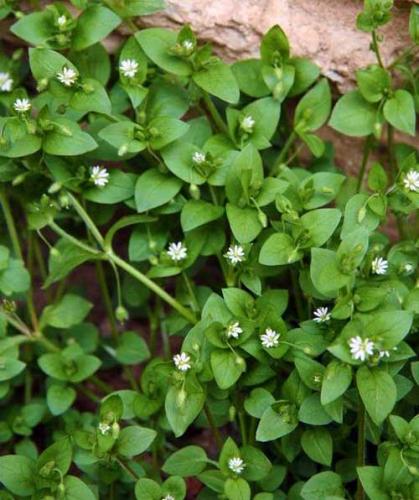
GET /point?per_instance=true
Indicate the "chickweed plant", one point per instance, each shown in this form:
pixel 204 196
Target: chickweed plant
pixel 196 301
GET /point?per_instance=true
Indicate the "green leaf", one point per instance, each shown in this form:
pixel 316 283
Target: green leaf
pixel 237 489
pixel 74 142
pixel 132 349
pixel 14 279
pixel 69 311
pixel 248 75
pixel 196 213
pixel 226 367
pixel 186 462
pixel 244 222
pixel 218 80
pixel 318 445
pixel 133 8
pixel 325 273
pixel 154 189
pixel 273 425
pixel 414 24
pixel 320 224
pixel 322 486
pixel 10 367
pixel 336 379
pixel 147 489
pixel 36 28
pixel 305 74
pixel 60 398
pixel 274 47
pixel 378 392
pixel 60 453
pixel 389 327
pixel 399 111
pixel 157 43
pixel 17 473
pixel 278 250
pixel 314 108
pixel 120 187
pixel 46 63
pixel 91 97
pixel 75 489
pixel 373 82
pixel 320 189
pixel 312 412
pixel 94 24
pixel 134 440
pixel 371 479
pixel 257 464
pixel 353 115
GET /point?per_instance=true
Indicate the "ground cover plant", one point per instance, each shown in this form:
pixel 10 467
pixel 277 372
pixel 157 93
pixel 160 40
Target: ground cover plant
pixel 196 301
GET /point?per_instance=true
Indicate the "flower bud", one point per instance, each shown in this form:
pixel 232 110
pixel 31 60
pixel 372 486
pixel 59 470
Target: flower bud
pixel 121 314
pixel 194 191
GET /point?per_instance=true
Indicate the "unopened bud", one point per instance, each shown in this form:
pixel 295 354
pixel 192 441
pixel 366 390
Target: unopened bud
pixel 194 191
pixel 121 314
pixel 55 187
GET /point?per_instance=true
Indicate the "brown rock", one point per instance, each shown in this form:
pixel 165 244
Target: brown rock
pixel 323 30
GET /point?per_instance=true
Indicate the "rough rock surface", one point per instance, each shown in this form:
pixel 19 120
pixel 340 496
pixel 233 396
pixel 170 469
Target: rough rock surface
pixel 323 30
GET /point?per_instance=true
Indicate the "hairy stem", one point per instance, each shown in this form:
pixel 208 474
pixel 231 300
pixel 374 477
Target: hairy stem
pixel 215 115
pixel 366 153
pixel 284 151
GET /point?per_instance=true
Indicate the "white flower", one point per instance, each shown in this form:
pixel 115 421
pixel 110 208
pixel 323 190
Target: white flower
pixel 182 361
pixel 270 338
pixel 384 354
pixel 235 254
pixel 361 348
pixel 22 105
pixel 128 67
pixel 247 124
pixel 187 45
pixel 236 465
pixel 99 176
pixel 408 268
pixel 104 428
pixel 67 76
pixel 379 266
pixel 177 251
pixel 168 497
pixel 61 21
pixel 411 180
pixel 6 82
pixel 234 330
pixel 198 157
pixel 321 314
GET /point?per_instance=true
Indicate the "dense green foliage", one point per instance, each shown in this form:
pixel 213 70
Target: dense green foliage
pixel 197 302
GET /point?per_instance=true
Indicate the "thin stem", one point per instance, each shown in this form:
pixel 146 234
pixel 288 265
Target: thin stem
pixel 88 393
pixel 142 278
pixel 376 48
pixel 297 294
pixel 366 153
pixel 191 293
pixel 73 240
pixel 10 225
pixel 107 301
pixel 215 115
pixel 393 172
pixel 360 495
pixel 283 153
pixel 86 219
pixel 128 469
pixel 214 428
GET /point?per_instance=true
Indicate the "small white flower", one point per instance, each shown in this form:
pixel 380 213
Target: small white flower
pixel 182 361
pixel 379 266
pixel 236 465
pixel 168 497
pixel 22 105
pixel 317 379
pixel 411 180
pixel 128 67
pixel 235 254
pixel 321 314
pixel 177 251
pixel 270 338
pixel 104 428
pixel 234 330
pixel 361 348
pixel 99 176
pixel 62 20
pixel 384 354
pixel 247 124
pixel 198 158
pixel 67 76
pixel 187 45
pixel 408 268
pixel 6 83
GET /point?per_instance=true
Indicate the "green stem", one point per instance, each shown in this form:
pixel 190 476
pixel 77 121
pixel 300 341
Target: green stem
pixel 86 218
pixel 297 294
pixel 366 153
pixel 215 115
pixel 283 153
pixel 107 301
pixel 130 471
pixel 360 462
pixel 191 293
pixel 376 48
pixel 214 428
pixel 73 240
pixel 142 278
pixel 10 225
pixel 393 173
